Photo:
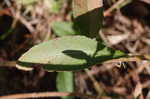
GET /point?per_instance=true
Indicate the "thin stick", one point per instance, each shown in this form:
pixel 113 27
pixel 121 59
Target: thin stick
pixel 97 86
pixel 107 12
pixel 119 2
pixel 131 58
pixel 43 94
pixel 7 63
pixel 17 16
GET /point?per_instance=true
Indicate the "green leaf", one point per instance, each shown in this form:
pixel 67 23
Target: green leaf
pixel 63 28
pixel 88 16
pixel 65 83
pixel 66 53
pixel 104 53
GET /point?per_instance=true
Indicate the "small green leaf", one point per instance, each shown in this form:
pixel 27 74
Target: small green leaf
pixel 63 28
pixel 65 83
pixel 104 53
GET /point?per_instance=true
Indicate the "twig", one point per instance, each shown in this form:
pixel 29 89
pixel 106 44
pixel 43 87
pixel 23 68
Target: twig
pixel 95 83
pixel 107 12
pixel 131 58
pixel 17 16
pixel 8 64
pixel 43 94
pixel 119 2
pixel 131 73
pixel 146 84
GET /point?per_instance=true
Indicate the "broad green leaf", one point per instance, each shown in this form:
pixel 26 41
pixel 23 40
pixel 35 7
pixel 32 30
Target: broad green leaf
pixel 66 53
pixel 88 16
pixel 65 83
pixel 63 28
